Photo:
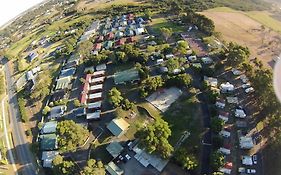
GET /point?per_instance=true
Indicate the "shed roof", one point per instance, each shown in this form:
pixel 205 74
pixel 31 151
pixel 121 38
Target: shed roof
pixel 113 169
pixel 49 127
pixel 114 148
pixel 63 83
pixel 117 126
pixel 67 72
pixel 48 142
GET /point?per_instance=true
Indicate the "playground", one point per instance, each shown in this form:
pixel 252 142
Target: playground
pixel 163 98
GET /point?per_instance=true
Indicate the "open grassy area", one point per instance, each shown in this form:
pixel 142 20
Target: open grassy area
pixel 184 115
pixel 265 19
pixel 97 5
pixel 158 23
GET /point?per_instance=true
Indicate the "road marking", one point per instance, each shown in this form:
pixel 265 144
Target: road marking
pixel 7 137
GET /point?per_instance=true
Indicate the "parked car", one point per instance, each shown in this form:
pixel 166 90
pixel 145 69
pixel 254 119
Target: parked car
pixel 247 85
pixel 241 170
pixel 255 159
pixel 251 171
pixel 249 90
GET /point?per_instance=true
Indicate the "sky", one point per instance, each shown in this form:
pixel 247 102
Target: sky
pixel 11 8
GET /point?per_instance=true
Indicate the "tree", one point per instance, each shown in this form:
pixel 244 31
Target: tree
pixel 62 166
pixel 41 89
pixel 179 80
pixel 121 56
pixel 237 54
pixel 216 124
pixel 182 47
pixel 154 138
pixel 166 32
pixel 85 48
pixel 46 110
pixel 217 160
pixel 188 161
pixel 127 104
pixel 217 141
pixel 77 103
pixel 172 64
pixel 93 168
pixel 150 49
pixel 115 97
pixel 71 135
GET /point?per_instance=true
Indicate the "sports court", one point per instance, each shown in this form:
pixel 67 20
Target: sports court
pixel 163 98
pixel 126 76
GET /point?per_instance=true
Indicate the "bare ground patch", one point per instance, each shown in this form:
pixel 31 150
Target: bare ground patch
pixel 237 27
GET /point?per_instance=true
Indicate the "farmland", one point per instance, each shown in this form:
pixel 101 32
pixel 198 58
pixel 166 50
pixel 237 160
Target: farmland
pixel 242 28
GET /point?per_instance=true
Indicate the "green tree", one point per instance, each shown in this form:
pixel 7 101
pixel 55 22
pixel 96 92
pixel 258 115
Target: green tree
pixel 62 166
pixel 179 80
pixel 217 160
pixel 150 49
pixel 166 32
pixel 93 168
pixel 46 110
pixel 77 103
pixel 188 161
pixel 121 56
pixel 172 64
pixel 216 124
pixel 115 97
pixel 85 49
pixel 41 90
pixel 127 104
pixel 71 135
pixel 154 138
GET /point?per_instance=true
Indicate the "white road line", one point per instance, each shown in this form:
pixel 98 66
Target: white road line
pixel 7 137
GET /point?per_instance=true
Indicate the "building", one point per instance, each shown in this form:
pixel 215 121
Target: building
pixel 114 149
pixel 246 142
pixel 57 112
pixel 207 60
pixel 108 44
pixel 118 126
pixel 49 127
pixel 120 42
pixel 226 87
pixel 48 157
pixel 97 47
pixel 95 105
pixel 67 72
pixel 62 83
pixel 93 116
pixel 58 95
pixel 101 67
pixel 31 56
pixel 139 31
pixel 211 81
pixel 130 75
pixel 48 142
pixel 113 169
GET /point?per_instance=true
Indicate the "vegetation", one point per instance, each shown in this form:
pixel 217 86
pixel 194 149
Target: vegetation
pixel 151 84
pixel 217 160
pixel 115 97
pixel 166 32
pixel 180 80
pixel 42 86
pixel 71 135
pixel 2 84
pixel 85 48
pixel 21 103
pixel 62 166
pixel 46 110
pixel 187 160
pixel 93 168
pixel 154 138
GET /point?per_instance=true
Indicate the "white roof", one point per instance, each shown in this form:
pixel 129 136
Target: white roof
pixel 227 87
pixel 224 151
pixel 192 58
pixel 225 170
pixel 99 79
pixel 159 60
pixel 232 100
pixel 220 104
pixel 240 113
pixel 96 87
pixel 89 69
pixel 94 105
pixel 95 95
pixel 206 60
pixel 247 160
pixel 246 142
pixel 169 56
pixel 97 73
pixel 94 115
pixel 223 118
pixel 224 133
pixel 211 81
pixel 101 67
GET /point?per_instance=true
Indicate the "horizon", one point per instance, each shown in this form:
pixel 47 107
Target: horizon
pixel 8 9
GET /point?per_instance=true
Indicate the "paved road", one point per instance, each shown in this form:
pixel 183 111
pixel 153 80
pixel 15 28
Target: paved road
pixel 10 154
pixel 24 156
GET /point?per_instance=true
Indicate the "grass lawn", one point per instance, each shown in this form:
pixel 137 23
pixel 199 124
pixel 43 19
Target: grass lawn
pixel 184 115
pixel 158 23
pixel 266 19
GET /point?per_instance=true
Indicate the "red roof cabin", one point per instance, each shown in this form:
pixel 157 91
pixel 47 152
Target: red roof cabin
pixel 131 39
pixel 97 46
pixel 120 42
pixel 110 36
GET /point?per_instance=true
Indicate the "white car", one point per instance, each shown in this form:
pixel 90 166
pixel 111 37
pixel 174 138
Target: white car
pixel 127 156
pixel 249 90
pixel 255 159
pixel 236 72
pixel 247 85
pixel 251 171
pixel 224 133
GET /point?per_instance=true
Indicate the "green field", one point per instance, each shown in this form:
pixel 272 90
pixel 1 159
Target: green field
pixel 158 23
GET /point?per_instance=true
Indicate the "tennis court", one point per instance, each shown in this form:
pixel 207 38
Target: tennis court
pixel 130 75
pixel 163 98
